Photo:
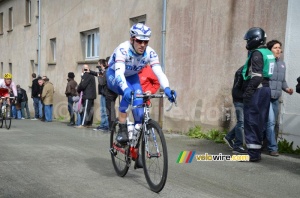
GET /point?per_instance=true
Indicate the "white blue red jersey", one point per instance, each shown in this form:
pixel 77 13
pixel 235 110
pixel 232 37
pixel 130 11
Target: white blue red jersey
pixel 126 62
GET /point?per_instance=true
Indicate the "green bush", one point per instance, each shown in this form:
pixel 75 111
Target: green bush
pixel 212 134
pixel 287 147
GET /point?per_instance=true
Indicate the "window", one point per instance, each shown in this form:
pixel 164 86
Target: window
pixel 37 9
pixel 10 67
pixel 91 43
pixel 10 18
pixel 1 70
pixel 138 19
pixel 28 12
pixel 53 49
pixel 1 23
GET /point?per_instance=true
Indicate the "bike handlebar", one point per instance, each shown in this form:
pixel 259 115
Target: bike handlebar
pixel 150 96
pixel 7 97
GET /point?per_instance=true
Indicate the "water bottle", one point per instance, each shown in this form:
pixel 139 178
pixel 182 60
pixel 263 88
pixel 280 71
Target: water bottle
pixel 130 128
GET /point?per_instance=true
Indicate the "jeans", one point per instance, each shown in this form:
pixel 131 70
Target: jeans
pixel 13 112
pixel 103 114
pixel 41 113
pixel 48 113
pixel 36 104
pixel 237 132
pixel 70 106
pixel 270 128
pixel 24 105
pixel 78 121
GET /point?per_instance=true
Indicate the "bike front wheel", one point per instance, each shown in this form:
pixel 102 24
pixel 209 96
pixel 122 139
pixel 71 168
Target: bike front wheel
pixel 119 153
pixel 7 118
pixel 155 156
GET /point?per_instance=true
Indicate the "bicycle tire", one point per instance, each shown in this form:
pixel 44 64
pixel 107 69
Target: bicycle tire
pixel 120 160
pixel 156 175
pixel 7 118
pixel 1 120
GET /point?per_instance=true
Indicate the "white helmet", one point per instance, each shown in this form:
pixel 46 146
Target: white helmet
pixel 140 31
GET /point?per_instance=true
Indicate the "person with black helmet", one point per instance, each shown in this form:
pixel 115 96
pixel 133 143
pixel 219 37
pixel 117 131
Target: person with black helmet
pixel 71 90
pixel 256 73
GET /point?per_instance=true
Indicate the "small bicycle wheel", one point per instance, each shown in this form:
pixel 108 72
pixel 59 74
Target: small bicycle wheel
pixel 119 154
pixel 155 156
pixel 7 118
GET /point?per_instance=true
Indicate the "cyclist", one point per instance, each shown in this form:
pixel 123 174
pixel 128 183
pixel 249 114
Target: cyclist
pixel 122 74
pixel 6 85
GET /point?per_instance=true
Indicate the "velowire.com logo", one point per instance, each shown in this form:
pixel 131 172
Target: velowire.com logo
pixel 189 156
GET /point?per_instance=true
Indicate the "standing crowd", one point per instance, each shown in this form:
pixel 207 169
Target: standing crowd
pixel 256 91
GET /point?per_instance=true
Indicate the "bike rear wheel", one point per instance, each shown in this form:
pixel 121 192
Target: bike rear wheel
pixel 7 118
pixel 119 154
pixel 155 156
pixel 1 120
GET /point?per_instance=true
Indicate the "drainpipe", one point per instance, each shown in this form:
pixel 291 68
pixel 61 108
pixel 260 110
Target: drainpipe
pixel 39 39
pixel 161 105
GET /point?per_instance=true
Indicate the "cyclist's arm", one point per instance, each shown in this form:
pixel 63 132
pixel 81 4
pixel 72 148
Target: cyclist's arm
pixel 119 75
pixel 13 86
pixel 162 78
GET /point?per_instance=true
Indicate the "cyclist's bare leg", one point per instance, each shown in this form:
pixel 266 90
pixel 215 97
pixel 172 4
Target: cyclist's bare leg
pixel 122 117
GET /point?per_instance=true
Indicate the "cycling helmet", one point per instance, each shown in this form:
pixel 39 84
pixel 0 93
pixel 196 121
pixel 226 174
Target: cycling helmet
pixel 7 75
pixel 140 31
pixel 255 37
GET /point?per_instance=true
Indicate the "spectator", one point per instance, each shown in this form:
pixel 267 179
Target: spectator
pixel 101 91
pixel 77 108
pixel 110 98
pixel 24 102
pixel 13 105
pixel 88 86
pixel 70 92
pixel 277 84
pixel 35 96
pixel 18 104
pixel 237 132
pixel 47 98
pixel 256 97
pixel 41 105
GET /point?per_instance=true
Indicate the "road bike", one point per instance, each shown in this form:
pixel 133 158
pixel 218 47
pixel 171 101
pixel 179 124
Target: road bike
pixel 153 146
pixel 5 113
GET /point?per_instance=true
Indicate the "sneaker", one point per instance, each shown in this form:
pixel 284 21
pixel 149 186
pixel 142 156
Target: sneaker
pixel 23 118
pixel 274 153
pixel 80 127
pixel 122 136
pixel 99 128
pixel 228 142
pixel 71 124
pixel 255 159
pixel 138 163
pixel 239 150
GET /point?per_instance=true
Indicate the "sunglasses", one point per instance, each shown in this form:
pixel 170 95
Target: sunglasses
pixel 141 41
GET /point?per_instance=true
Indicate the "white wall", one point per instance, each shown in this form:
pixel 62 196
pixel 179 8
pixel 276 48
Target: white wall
pixel 290 117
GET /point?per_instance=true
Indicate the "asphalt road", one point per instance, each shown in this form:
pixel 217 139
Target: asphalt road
pixel 40 159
